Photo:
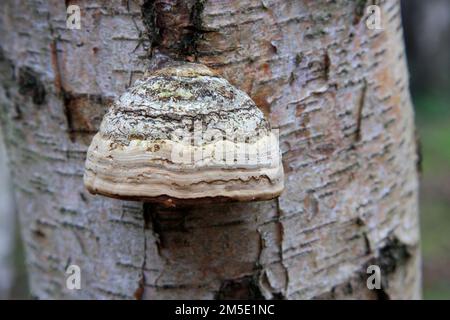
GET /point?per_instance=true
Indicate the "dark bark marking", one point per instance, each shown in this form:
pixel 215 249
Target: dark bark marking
pixel 419 160
pixel 195 30
pixel 280 245
pixel 326 148
pixel 55 66
pixel 360 111
pixel 153 29
pixel 241 288
pixel 360 6
pixel 69 119
pixel 151 219
pixel 31 85
pixel 292 78
pixel 278 296
pixel 178 39
pixel 326 65
pixel 392 255
pixel 83 197
pixel 60 90
pixel 18 114
pixel 7 81
pixel 84 113
pixel 39 234
pixel 6 69
pixel 367 243
pixel 147 213
pixel 138 294
pixel 382 294
pixel 69 2
pixel 299 58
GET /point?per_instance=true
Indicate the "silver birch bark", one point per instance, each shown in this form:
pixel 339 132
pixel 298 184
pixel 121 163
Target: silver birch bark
pixel 337 91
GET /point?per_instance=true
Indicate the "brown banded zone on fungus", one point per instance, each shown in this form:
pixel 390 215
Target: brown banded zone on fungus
pixel 184 134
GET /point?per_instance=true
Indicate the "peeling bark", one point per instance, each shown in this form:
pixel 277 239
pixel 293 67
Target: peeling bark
pixel 313 67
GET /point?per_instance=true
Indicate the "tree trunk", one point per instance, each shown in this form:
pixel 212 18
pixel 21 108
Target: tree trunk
pixel 337 90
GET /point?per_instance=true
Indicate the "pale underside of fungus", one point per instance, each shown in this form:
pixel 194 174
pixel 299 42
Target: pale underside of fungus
pixel 184 135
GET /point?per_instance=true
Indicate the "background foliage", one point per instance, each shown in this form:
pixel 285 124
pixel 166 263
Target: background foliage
pixel 427 35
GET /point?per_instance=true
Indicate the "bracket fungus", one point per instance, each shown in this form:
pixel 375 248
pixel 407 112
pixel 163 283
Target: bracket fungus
pixel 183 134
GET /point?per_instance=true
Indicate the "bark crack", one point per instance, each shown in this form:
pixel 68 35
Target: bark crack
pixel 326 65
pixel 59 88
pixel 146 212
pixel 360 111
pixel 153 29
pixel 195 29
pixel 281 230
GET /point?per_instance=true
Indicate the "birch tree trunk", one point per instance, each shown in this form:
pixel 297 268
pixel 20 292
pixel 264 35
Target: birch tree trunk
pixel 337 91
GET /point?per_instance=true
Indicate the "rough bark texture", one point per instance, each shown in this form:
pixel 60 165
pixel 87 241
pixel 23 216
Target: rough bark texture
pixel 337 91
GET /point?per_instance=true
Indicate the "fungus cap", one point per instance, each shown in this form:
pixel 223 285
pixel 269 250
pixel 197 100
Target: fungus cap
pixel 184 135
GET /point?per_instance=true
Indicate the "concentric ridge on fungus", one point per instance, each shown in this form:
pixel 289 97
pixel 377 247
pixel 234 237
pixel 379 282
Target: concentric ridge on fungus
pixel 184 134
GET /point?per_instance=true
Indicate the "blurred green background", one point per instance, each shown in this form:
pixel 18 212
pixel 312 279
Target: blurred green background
pixel 427 35
pixel 433 123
